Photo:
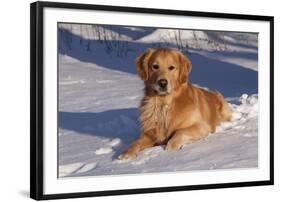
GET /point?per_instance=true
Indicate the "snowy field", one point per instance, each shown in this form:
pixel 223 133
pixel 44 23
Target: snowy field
pixel 99 95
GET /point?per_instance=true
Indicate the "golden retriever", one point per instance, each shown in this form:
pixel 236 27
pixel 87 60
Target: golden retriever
pixel 173 112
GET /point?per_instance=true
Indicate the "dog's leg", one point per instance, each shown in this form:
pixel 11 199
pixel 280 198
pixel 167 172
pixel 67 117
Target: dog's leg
pixel 143 142
pixel 187 136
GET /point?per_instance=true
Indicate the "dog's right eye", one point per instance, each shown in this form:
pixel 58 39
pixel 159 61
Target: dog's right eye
pixel 155 67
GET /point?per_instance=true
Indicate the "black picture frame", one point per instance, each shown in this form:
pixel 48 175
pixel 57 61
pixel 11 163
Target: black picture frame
pixel 37 101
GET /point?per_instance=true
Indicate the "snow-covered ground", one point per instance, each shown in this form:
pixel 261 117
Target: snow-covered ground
pixel 99 95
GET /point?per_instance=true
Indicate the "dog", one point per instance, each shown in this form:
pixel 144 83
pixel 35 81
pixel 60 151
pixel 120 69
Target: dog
pixel 173 112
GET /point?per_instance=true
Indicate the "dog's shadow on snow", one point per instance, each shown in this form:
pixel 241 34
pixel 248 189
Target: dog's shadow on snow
pixel 117 123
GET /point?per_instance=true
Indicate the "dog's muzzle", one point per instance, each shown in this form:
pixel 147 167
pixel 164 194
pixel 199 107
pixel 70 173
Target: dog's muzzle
pixel 162 83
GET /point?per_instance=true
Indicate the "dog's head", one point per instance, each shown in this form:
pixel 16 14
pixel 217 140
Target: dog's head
pixel 163 70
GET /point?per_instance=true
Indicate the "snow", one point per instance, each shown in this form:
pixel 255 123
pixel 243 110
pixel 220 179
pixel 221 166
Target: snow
pixel 164 35
pixel 76 168
pixel 87 167
pixel 91 31
pixel 99 95
pixel 69 168
pixel 103 150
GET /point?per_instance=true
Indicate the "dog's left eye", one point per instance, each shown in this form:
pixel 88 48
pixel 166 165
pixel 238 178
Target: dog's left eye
pixel 171 68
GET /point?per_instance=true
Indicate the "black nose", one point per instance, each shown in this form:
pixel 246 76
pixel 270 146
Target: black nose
pixel 162 83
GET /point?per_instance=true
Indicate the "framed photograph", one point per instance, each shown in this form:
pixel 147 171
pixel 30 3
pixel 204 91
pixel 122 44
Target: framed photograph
pixel 131 100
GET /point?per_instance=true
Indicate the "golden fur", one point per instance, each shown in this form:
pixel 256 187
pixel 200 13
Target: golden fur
pixel 176 112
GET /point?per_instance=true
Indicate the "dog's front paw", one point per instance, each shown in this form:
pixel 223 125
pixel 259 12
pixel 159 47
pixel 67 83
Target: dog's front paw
pixel 173 146
pixel 127 156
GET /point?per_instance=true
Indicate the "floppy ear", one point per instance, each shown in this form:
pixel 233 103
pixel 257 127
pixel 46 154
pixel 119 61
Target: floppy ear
pixel 185 68
pixel 142 64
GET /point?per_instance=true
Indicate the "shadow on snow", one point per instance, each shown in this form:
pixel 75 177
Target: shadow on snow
pixel 118 123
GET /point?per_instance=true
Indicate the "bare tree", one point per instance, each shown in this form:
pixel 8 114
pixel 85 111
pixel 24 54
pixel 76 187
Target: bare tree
pixel 88 39
pixel 178 39
pixel 81 38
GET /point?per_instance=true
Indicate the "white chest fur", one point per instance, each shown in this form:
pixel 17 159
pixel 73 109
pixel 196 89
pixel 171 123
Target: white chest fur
pixel 155 115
